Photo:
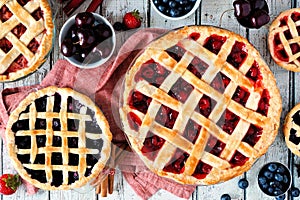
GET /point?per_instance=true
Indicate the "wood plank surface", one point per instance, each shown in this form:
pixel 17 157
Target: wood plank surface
pixel 209 13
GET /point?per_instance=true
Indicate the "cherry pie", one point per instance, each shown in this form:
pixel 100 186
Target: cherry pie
pixel 284 40
pixel 291 130
pixel 200 105
pixel 25 38
pixel 58 139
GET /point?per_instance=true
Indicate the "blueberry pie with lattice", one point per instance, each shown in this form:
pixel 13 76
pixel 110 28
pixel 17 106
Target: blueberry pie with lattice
pixel 58 138
pixel 284 39
pixel 200 105
pixel 291 130
pixel 25 38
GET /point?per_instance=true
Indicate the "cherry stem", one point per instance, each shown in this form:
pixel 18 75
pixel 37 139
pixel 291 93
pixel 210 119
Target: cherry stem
pixel 226 11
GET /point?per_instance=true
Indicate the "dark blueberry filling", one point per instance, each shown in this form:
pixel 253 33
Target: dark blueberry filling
pixel 56 159
pixel 57 178
pixel 152 145
pixel 177 162
pixel 40 124
pixel 74 105
pixel 197 67
pixel 91 160
pixel 39 175
pixel 56 141
pixel 23 142
pixel 25 159
pixel 166 116
pixel 73 159
pixel 296 118
pixel 88 171
pixel 56 124
pixel 57 102
pixel 293 138
pixel 73 176
pixel 73 124
pixel 73 142
pixel 41 104
pixel 181 90
pixel 39 159
pixel 202 170
pixel 192 131
pixel 20 125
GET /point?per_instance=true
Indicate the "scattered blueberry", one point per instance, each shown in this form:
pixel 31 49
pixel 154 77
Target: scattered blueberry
pixel 280 169
pixel 243 183
pixel 272 167
pixel 295 192
pixel 268 174
pixel 225 197
pixel 118 26
pixel 278 177
pixel 262 180
pixel 281 197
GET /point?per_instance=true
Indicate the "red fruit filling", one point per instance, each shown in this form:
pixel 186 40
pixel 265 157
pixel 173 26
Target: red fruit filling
pixel 5 13
pixel 152 72
pixel 205 105
pixel 198 67
pixel 19 63
pixel 214 146
pixel 176 52
pixel 254 72
pixel 139 101
pixel 166 116
pixel 253 135
pixel 176 164
pixel 19 30
pixel 152 145
pixel 220 82
pixel 134 121
pixel 37 14
pixel 288 34
pixel 5 45
pixel 295 16
pixel 280 53
pixel 228 121
pixel 214 43
pixel 194 36
pixel 33 45
pixel 238 159
pixel 202 170
pixel 191 131
pixel 263 105
pixel 181 90
pixel 23 2
pixel 241 95
pixel 238 55
pixel 283 21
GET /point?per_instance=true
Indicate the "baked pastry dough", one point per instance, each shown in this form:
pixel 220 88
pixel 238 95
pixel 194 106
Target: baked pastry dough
pixel 284 39
pixel 200 105
pixel 25 38
pixel 291 130
pixel 58 138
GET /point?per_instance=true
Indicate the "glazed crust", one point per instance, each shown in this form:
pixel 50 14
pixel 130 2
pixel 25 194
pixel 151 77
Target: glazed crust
pixel 42 30
pixel 106 136
pixel 288 125
pixel 292 63
pixel 222 170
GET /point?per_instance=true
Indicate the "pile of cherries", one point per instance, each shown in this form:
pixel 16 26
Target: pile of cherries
pixel 174 8
pixel 251 13
pixel 85 36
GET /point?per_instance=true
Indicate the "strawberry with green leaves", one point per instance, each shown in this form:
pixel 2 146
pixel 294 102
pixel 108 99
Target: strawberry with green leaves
pixel 9 183
pixel 132 19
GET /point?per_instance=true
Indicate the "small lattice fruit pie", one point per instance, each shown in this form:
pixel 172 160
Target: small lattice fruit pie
pixel 25 37
pixel 284 39
pixel 58 138
pixel 200 105
pixel 291 130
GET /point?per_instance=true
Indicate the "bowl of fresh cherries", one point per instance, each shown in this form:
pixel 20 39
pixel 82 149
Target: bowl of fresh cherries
pixel 87 40
pixel 175 9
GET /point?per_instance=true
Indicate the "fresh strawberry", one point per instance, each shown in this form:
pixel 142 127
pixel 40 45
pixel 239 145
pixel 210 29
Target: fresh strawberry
pixel 9 183
pixel 132 19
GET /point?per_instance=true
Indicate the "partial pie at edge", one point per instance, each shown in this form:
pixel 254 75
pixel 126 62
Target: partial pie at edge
pixel 200 105
pixel 58 138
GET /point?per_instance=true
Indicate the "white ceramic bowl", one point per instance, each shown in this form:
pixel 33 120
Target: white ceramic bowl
pixel 89 62
pixel 197 3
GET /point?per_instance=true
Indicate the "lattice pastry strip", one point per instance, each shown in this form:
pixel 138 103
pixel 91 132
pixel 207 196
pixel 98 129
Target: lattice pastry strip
pixel 61 122
pixel 181 123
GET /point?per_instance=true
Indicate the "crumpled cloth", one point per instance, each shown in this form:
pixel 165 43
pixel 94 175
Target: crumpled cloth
pixel 102 84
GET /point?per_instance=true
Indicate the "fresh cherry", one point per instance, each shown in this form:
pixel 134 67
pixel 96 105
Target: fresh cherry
pixel 259 18
pixel 68 49
pixel 84 19
pixel 86 37
pixel 242 8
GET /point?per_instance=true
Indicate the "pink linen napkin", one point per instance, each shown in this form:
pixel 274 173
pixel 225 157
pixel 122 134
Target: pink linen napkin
pixel 102 84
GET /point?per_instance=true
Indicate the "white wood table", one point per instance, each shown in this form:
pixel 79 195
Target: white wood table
pixel 208 13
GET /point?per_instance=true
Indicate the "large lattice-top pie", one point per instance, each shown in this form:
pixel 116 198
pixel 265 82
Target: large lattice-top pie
pixel 200 105
pixel 25 38
pixel 284 39
pixel 58 139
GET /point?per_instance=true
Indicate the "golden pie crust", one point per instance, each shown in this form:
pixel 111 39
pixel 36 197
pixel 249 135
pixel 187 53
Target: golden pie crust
pixel 283 33
pixel 63 115
pixel 221 168
pixel 41 31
